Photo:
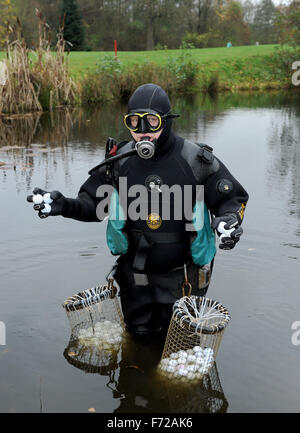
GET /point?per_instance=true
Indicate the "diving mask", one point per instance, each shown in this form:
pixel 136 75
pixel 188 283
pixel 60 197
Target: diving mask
pixel 147 121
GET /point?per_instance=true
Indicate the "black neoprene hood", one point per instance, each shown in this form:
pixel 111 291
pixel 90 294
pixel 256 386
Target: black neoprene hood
pixel 149 96
pixel 153 97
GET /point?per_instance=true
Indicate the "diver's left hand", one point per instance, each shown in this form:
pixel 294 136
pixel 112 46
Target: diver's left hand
pixel 228 229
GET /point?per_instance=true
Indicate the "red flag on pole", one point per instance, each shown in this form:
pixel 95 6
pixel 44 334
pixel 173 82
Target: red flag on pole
pixel 116 48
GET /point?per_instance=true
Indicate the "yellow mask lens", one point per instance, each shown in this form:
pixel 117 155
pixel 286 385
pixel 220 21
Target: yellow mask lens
pixel 145 122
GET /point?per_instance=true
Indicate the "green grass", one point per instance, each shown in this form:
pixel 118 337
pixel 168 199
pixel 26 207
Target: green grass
pixel 231 63
pixel 81 62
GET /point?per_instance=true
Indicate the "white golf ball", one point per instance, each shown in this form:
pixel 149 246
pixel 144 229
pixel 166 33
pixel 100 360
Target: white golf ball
pixel 37 199
pixel 208 352
pixel 47 199
pixel 47 208
pixel 191 358
pixel 163 364
pixel 182 354
pixel 174 356
pixel 172 363
pixel 197 349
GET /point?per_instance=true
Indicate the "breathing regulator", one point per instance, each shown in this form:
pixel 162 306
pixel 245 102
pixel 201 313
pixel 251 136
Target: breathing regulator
pixel 146 148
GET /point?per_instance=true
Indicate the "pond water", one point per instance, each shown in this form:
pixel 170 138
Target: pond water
pixel 45 261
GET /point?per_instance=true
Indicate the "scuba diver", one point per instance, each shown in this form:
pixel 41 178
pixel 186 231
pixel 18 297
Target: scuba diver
pixel 159 259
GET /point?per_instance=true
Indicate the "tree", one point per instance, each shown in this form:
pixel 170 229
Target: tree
pixel 288 23
pixel 264 18
pixel 231 23
pixel 73 26
pixel 7 15
pixel 204 9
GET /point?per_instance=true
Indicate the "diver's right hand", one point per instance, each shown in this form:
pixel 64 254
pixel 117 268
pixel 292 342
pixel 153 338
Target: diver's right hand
pixel 47 203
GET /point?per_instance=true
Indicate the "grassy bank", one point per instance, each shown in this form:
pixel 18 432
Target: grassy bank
pixel 211 70
pixel 82 62
pixel 100 78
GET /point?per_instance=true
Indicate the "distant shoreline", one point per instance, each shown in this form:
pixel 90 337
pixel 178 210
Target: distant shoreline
pixel 99 79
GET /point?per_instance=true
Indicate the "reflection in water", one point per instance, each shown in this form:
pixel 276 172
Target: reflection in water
pixel 37 143
pixel 134 380
pixel 284 144
pixel 18 130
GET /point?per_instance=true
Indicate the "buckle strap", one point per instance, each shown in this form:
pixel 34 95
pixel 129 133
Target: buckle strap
pixel 141 254
pixel 205 153
pixel 145 240
pixel 157 237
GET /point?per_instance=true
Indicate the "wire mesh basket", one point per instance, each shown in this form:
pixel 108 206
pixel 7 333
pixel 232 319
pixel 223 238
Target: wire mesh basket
pixel 95 317
pixel 91 359
pixel 194 336
pixel 206 396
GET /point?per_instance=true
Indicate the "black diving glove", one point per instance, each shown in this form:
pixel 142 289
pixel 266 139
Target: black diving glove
pixel 228 229
pixel 47 203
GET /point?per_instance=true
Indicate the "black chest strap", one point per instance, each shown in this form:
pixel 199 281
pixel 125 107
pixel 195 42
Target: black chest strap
pixel 143 241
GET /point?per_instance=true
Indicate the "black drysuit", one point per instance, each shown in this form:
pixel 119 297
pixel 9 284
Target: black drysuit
pixel 150 273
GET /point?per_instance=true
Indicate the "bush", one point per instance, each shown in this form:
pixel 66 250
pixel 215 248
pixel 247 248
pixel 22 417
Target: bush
pixel 109 65
pixel 281 62
pixel 108 85
pixel 111 81
pixel 210 83
pixel 159 47
pixel 184 68
pixel 203 40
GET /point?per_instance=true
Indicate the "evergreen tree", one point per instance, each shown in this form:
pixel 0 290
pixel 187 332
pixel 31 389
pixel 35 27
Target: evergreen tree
pixel 73 29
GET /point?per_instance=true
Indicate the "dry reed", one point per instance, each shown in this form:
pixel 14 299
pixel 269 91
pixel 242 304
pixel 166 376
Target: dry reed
pixel 46 84
pixel 18 94
pixel 51 70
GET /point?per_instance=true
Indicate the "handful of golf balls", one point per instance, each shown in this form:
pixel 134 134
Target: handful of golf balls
pixel 225 233
pixel 188 364
pixel 43 199
pixel 106 334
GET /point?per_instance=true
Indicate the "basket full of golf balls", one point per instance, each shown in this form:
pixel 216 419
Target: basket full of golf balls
pixel 95 317
pixel 90 358
pixel 194 336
